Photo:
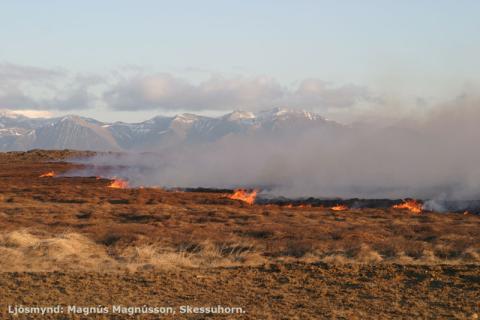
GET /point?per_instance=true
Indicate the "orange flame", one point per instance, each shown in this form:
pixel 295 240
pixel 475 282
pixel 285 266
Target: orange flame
pixel 244 195
pixel 410 205
pixel 48 174
pixel 339 207
pixel 118 184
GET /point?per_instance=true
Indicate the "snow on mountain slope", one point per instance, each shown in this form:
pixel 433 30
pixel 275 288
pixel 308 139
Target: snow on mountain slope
pixel 18 132
pixel 74 132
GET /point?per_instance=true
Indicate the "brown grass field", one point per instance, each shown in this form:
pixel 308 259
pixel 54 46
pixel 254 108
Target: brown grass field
pixel 75 241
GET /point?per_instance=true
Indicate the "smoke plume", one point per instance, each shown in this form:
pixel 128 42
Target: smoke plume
pixel 435 157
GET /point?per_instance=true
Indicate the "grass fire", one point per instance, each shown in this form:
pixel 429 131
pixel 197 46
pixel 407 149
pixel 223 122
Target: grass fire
pixel 244 160
pixel 118 184
pixel 47 174
pixel 339 207
pixel 410 205
pixel 244 195
pixel 200 236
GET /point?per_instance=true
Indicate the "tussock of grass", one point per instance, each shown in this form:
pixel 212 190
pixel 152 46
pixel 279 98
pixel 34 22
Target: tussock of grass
pixel 21 250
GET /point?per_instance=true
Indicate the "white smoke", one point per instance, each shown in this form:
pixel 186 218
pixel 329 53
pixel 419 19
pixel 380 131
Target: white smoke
pixel 436 157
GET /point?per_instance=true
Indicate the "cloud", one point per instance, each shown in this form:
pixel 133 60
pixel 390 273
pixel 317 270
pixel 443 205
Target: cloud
pixel 33 88
pixel 164 91
pixel 167 92
pixel 34 113
pixel 318 93
pixel 132 89
pixel 15 73
pixel 75 99
pixel 16 99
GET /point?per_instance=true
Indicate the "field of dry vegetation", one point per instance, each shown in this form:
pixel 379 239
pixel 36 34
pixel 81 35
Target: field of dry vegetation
pixel 276 261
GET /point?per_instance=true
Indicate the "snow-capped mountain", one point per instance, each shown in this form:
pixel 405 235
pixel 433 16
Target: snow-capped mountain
pixel 19 132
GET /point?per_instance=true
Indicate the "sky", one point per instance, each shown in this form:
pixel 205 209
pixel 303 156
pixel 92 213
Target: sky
pixel 131 60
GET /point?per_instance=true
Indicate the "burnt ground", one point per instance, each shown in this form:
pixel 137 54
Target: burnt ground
pixel 72 240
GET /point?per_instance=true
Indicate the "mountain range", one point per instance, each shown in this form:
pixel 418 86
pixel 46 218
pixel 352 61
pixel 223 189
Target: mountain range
pixel 18 132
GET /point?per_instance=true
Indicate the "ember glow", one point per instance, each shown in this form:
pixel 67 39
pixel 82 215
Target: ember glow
pixel 48 174
pixel 244 195
pixel 339 207
pixel 118 184
pixel 410 205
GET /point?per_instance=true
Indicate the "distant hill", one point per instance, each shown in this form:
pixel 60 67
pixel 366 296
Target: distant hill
pixel 19 132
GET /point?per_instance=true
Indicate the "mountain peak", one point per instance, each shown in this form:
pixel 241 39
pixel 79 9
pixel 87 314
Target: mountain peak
pixel 186 118
pixel 286 114
pixel 239 115
pixel 72 131
pixel 70 117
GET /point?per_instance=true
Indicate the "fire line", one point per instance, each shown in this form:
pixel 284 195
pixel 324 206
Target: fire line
pixel 244 195
pixel 118 184
pixel 48 174
pixel 410 205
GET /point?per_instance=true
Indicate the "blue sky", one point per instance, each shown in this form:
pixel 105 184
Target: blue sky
pixel 397 50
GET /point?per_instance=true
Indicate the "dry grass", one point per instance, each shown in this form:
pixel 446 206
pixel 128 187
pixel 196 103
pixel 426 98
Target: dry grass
pixel 23 251
pixel 56 223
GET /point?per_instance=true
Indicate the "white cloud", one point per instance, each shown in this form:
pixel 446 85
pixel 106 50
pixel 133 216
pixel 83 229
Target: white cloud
pixel 14 98
pixel 34 113
pixel 315 92
pixel 26 87
pixel 164 91
pixel 16 73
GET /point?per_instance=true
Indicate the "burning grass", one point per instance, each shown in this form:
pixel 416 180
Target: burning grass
pixel 47 174
pixel 339 207
pixel 304 259
pixel 244 195
pixel 410 205
pixel 118 184
pixel 50 224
